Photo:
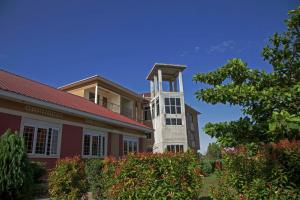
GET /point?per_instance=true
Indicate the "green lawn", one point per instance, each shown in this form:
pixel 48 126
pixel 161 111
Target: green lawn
pixel 208 182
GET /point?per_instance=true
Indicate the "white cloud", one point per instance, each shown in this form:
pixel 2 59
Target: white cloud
pixel 223 46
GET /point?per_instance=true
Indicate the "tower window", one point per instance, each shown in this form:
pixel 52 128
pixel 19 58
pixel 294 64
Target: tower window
pixel 172 105
pixel 175 148
pixel 173 121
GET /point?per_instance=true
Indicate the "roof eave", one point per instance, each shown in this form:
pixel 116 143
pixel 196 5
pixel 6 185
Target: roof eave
pixel 15 96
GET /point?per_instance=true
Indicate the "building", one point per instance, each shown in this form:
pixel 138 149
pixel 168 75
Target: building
pixel 96 117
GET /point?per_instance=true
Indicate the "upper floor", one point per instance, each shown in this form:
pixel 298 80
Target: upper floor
pixel 109 95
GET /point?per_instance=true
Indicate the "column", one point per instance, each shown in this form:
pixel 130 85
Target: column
pixel 180 82
pixel 155 85
pixel 96 94
pixel 160 88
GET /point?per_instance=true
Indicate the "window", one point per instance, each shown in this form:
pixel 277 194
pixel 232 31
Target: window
pixel 172 106
pixel 175 148
pixel 93 144
pixel 41 138
pixel 148 135
pixel 157 107
pixel 147 113
pixel 173 121
pixel 130 145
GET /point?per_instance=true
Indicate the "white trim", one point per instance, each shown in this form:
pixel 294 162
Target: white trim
pixel 37 123
pixel 93 132
pixel 22 98
pixel 130 139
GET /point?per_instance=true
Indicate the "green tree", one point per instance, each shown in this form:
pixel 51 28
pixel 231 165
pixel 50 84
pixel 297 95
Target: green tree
pixel 213 151
pixel 15 172
pixel 270 102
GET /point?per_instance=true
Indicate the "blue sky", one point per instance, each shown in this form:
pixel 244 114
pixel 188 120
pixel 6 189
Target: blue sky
pixel 60 41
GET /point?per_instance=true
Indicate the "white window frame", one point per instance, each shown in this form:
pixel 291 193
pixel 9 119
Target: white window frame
pixel 36 124
pixel 130 139
pixel 92 133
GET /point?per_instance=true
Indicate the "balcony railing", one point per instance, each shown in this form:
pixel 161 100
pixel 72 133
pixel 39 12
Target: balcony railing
pixel 109 105
pixel 115 107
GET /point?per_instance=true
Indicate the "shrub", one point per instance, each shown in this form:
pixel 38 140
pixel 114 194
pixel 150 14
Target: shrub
pixel 39 171
pixel 206 167
pixel 68 179
pixel 15 172
pixel 93 171
pixel 269 172
pixel 152 176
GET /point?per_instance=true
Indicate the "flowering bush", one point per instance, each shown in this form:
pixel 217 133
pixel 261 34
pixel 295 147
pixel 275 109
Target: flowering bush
pixel 269 171
pixel 152 176
pixel 68 179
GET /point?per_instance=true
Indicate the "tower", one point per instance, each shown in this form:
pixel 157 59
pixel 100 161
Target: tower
pixel 168 108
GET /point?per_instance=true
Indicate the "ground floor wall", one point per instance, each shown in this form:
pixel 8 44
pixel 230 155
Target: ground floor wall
pixel 71 137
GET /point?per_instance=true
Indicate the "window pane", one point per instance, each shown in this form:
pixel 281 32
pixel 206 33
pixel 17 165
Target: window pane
pixel 135 146
pixel 173 121
pixel 49 141
pixel 167 101
pixel 178 101
pixel 99 151
pixel 86 148
pixel 173 111
pixel 177 148
pixel 168 121
pixel 181 148
pixel 168 109
pixel 173 148
pixel 28 134
pixel 94 145
pixel 178 110
pixel 125 147
pixel 130 146
pixel 54 143
pixel 179 121
pixel 41 141
pixel 168 148
pixel 172 101
pixel 103 146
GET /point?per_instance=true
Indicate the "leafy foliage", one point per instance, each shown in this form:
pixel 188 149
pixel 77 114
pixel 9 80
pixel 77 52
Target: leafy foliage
pixel 270 101
pixel 213 151
pixel 206 167
pixel 93 170
pixel 272 172
pixel 15 172
pixel 68 179
pixel 152 176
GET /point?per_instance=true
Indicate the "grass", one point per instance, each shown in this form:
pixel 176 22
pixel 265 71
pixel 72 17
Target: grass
pixel 208 182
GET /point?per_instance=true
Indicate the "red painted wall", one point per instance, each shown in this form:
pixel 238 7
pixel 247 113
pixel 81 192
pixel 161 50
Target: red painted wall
pixel 49 162
pixel 71 141
pixel 9 121
pixel 141 145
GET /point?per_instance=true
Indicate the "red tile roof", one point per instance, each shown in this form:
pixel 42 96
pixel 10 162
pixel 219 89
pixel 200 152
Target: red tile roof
pixel 23 86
